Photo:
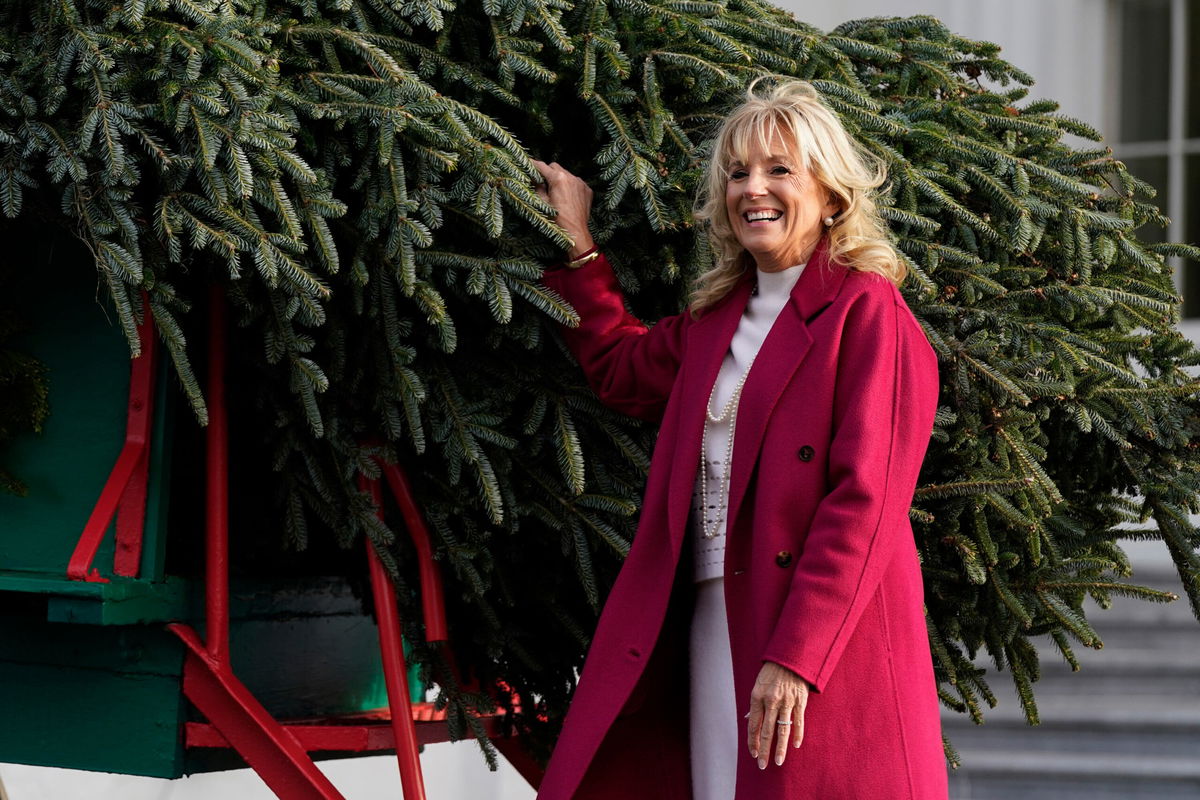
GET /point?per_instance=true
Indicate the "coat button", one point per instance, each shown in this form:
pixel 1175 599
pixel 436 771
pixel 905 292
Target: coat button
pixel 783 558
pixel 806 453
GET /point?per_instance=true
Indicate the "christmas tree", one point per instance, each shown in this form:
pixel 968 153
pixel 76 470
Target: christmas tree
pixel 356 174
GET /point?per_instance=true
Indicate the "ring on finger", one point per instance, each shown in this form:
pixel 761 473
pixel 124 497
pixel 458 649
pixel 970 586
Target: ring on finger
pixel 784 723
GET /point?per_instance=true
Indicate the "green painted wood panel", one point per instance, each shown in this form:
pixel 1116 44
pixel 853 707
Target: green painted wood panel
pixel 86 697
pixel 73 331
pixel 109 697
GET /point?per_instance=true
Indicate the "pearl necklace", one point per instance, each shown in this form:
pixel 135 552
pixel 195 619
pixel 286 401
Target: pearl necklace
pixel 712 528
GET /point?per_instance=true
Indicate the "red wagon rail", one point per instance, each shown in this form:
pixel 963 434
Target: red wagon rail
pixel 279 751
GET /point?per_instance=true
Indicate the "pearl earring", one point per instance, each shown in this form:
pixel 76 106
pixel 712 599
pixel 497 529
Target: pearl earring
pixel 828 222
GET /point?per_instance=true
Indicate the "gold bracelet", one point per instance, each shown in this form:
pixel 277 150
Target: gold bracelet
pixel 586 258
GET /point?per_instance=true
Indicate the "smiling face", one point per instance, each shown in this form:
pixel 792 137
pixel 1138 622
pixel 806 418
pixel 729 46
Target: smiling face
pixel 775 205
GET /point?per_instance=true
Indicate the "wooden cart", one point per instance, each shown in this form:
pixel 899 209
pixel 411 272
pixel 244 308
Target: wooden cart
pixel 102 662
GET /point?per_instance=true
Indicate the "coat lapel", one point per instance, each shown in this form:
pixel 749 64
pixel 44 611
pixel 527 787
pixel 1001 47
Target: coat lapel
pixel 709 339
pixel 780 356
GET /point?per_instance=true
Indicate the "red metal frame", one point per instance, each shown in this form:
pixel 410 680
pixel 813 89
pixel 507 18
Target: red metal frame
pixel 433 603
pixel 360 733
pixel 270 750
pixel 125 488
pixel 278 752
pixel 395 671
pixel 216 537
pixel 519 757
pixel 208 679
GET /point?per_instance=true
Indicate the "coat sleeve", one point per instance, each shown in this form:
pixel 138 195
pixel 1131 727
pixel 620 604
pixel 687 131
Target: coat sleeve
pixel 630 367
pixel 884 403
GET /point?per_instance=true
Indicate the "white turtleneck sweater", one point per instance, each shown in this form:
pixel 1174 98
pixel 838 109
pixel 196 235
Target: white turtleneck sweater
pixel 774 289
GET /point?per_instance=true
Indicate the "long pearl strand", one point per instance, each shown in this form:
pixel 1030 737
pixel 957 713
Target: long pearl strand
pixel 712 527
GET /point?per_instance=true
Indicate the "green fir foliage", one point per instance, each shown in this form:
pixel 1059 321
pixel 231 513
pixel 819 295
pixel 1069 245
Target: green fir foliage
pixel 356 175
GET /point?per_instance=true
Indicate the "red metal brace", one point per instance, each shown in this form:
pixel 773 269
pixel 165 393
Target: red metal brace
pixel 395 670
pixel 433 607
pixel 278 752
pixel 126 485
pixel 216 468
pixel 208 680
pixel 268 747
pixel 433 604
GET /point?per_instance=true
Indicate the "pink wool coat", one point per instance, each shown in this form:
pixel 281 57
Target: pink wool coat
pixel 821 571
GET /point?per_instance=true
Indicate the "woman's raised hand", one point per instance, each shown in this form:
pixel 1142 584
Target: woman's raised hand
pixel 572 199
pixel 776 712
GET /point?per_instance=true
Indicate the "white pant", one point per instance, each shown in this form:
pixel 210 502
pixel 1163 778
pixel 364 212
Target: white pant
pixel 714 734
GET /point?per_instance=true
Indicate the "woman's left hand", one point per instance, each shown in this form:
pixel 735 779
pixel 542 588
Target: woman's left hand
pixel 779 696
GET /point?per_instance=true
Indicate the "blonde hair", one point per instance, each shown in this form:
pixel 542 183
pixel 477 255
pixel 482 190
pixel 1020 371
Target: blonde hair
pixel 793 111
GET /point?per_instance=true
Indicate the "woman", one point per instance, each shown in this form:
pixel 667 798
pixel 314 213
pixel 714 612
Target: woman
pixel 772 597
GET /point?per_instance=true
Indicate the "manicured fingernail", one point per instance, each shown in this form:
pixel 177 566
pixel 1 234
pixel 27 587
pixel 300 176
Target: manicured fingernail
pixel 779 761
pixel 747 715
pixel 754 754
pixel 762 763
